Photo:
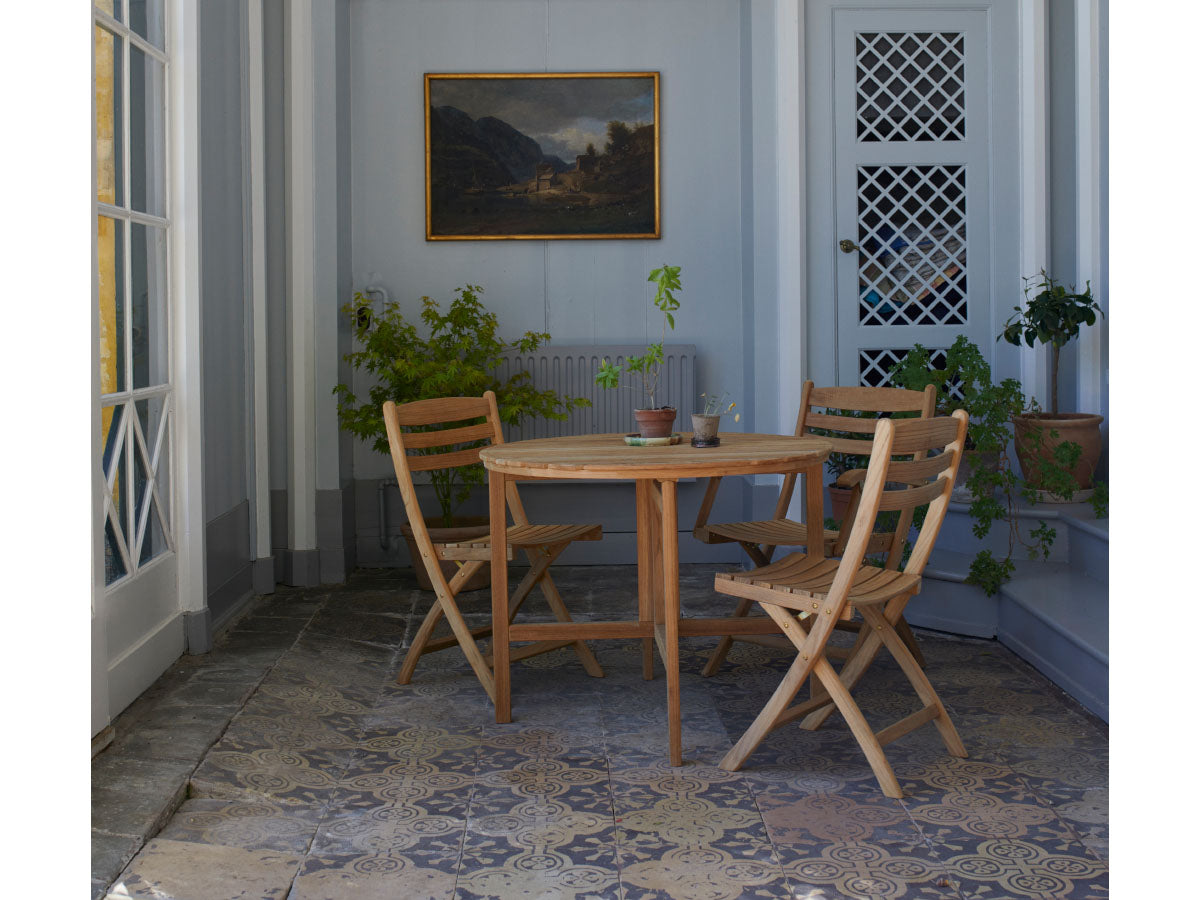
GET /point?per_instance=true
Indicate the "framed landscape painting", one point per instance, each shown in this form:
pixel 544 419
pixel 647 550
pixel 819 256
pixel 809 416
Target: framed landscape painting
pixel 541 156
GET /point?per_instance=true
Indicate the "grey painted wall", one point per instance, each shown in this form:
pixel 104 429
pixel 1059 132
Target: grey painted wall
pixel 582 292
pixel 224 306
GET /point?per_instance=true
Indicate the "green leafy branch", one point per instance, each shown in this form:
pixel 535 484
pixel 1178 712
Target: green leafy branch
pixel 648 366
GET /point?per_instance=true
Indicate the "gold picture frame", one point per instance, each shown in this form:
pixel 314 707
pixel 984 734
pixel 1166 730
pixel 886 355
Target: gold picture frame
pixel 542 156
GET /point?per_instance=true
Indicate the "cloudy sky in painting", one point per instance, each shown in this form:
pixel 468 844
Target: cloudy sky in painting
pixel 561 114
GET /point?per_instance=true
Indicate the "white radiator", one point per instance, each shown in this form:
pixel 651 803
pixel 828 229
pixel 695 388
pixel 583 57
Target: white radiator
pixel 571 371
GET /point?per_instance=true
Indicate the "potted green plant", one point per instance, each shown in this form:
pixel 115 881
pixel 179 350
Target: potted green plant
pixel 966 382
pixel 1053 315
pixel 457 358
pixel 706 424
pixel 653 421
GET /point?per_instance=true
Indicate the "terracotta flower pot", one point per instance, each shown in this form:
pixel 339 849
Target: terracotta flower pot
pixel 704 430
pixel 655 423
pixel 464 529
pixel 1081 428
pixel 839 502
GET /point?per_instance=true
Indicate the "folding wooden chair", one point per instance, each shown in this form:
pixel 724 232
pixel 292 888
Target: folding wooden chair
pixel 542 544
pixel 759 539
pixel 807 596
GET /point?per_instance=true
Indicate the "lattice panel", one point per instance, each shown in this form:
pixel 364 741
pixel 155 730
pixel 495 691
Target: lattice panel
pixel 137 499
pixel 873 366
pixel 910 86
pixel 912 236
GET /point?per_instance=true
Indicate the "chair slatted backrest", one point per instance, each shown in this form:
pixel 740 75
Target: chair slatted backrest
pixel 412 450
pixel 837 400
pixel 930 452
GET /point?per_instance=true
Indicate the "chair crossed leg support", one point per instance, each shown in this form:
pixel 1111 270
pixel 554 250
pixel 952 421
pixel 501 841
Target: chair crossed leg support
pixel 540 560
pixel 831 690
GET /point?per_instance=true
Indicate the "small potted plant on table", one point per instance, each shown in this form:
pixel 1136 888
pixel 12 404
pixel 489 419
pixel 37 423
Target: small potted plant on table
pixel 1048 442
pixel 706 424
pixel 459 358
pixel 652 421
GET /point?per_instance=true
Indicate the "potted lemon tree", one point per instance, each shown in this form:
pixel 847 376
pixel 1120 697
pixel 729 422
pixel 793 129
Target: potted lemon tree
pixel 458 357
pixel 653 421
pixel 1050 441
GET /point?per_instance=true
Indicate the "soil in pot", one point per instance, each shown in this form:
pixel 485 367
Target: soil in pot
pixel 463 529
pixel 1081 428
pixel 655 423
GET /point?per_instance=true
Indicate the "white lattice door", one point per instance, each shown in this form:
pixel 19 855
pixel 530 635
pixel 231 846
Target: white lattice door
pixel 912 192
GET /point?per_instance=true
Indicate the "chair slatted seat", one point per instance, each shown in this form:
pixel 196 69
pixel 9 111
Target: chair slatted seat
pixel 760 539
pixel 808 596
pixel 441 448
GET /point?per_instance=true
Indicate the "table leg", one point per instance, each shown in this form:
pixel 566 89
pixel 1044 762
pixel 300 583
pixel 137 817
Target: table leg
pixel 670 577
pixel 498 517
pixel 814 510
pixel 645 556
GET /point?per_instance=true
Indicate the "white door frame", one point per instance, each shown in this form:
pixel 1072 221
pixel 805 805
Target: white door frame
pixel 796 258
pixel 132 646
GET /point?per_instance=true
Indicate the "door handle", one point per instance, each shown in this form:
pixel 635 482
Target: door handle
pixel 847 245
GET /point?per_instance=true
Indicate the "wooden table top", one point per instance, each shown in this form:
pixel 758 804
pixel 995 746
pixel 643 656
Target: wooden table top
pixel 608 456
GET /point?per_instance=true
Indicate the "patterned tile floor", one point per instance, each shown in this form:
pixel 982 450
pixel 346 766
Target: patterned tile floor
pixel 330 781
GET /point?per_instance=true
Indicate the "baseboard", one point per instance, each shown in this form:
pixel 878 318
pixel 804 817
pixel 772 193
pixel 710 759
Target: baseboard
pixel 140 666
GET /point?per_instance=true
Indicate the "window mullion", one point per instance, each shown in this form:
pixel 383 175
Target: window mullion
pixel 117 28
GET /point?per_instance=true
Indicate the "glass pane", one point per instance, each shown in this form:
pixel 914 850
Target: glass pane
pixel 110 429
pixel 146 19
pixel 149 282
pixel 147 133
pixel 112 7
pixel 110 172
pixel 149 418
pixel 115 461
pixel 110 258
pixel 114 566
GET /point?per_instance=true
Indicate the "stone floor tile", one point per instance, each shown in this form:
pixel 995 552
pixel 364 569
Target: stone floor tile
pixel 571 856
pixel 249 824
pixel 134 796
pixel 851 815
pixel 111 853
pixel 878 870
pixel 172 734
pixel 402 829
pixel 1023 869
pixel 385 630
pixel 186 871
pixel 286 776
pixel 734 871
pixel 290 604
pixel 325 877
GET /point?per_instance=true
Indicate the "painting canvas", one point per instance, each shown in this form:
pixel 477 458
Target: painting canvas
pixel 539 156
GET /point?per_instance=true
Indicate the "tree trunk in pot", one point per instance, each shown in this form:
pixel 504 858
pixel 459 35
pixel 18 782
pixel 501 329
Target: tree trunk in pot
pixel 464 528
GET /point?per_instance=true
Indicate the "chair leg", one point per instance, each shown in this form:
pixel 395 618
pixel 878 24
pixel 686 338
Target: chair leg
pixel 859 727
pixel 760 556
pixel 723 647
pixel 916 677
pixel 591 665
pixel 776 707
pixel 910 641
pixel 861 656
pixel 421 639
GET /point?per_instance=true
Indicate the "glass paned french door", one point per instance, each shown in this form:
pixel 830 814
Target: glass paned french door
pixel 136 396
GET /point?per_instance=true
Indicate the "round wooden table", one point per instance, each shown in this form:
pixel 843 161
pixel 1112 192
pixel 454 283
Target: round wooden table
pixel 656 471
